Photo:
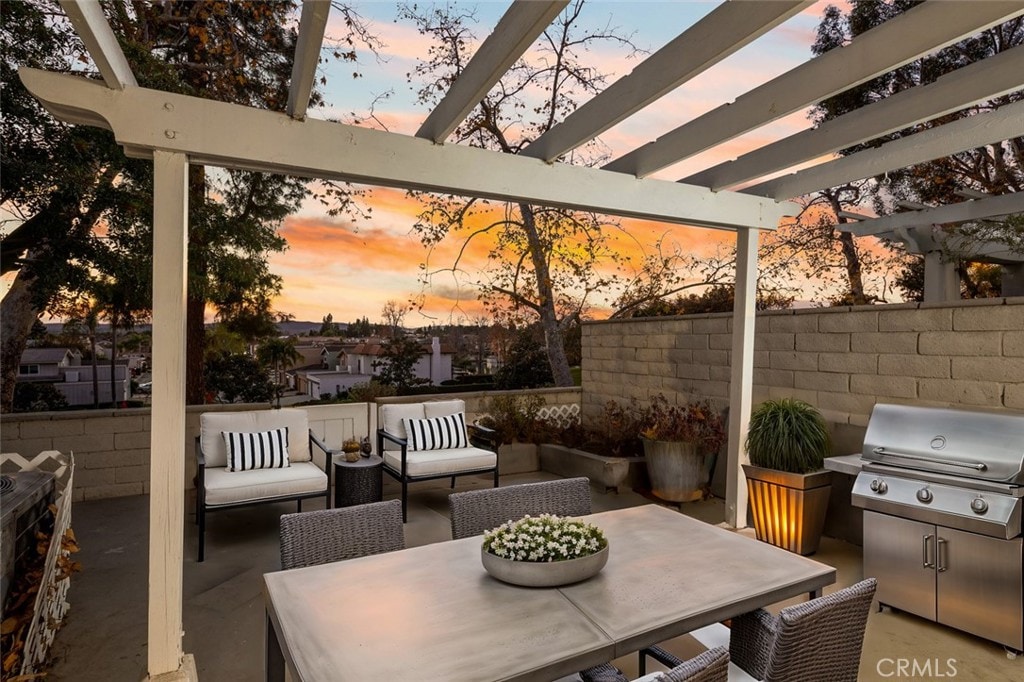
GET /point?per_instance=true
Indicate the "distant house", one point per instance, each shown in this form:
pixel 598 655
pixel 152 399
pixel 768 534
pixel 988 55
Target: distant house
pixel 434 365
pixel 63 368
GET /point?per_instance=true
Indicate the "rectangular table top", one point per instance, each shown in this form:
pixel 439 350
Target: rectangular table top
pixel 432 612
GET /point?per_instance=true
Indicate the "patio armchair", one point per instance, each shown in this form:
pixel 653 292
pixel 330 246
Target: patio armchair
pixel 432 440
pixel 476 511
pixel 816 640
pixel 710 666
pixel 321 537
pixel 270 461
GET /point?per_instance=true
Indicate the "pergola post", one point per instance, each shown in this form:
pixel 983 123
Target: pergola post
pixel 167 431
pixel 742 378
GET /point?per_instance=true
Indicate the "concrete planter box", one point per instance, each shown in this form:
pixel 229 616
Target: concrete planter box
pixel 788 509
pixel 607 473
pixel 518 458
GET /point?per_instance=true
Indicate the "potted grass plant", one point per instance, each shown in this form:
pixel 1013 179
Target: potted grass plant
pixel 787 442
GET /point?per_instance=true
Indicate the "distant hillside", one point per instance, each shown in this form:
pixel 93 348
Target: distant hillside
pixel 298 327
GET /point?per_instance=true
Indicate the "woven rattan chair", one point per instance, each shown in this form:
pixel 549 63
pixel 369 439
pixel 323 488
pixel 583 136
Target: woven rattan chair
pixel 817 640
pixel 710 666
pixel 476 511
pixel 320 537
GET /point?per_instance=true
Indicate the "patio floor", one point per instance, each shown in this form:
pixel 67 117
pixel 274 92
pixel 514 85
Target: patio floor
pixel 105 634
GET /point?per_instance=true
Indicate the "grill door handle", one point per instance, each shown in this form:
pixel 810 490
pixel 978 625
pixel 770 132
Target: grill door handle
pixel 977 466
pixel 926 562
pixel 940 567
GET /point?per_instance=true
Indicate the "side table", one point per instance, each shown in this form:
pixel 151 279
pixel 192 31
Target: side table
pixel 357 482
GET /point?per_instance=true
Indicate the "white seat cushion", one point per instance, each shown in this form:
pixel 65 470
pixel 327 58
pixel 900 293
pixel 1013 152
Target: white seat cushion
pixel 434 462
pixel 229 487
pixel 717 634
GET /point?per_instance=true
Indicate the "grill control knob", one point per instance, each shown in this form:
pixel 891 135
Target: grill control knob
pixel 879 486
pixel 979 505
pixel 924 495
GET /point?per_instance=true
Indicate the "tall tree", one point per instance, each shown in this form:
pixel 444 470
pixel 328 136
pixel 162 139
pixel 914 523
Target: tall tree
pixel 278 353
pixel 393 314
pixel 542 261
pixel 62 181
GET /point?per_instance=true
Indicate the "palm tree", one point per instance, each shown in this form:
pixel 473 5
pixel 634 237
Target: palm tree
pixel 278 353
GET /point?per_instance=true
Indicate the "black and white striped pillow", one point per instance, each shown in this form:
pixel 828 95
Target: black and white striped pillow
pixel 257 450
pixel 437 433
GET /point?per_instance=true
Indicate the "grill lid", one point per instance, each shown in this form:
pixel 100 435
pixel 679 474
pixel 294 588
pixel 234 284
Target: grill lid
pixel 968 443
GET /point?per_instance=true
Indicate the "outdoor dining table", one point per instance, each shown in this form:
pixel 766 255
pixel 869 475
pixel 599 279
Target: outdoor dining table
pixel 433 613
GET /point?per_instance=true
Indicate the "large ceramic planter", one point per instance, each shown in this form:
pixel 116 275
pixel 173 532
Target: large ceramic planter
pixel 788 509
pixel 546 573
pixel 676 470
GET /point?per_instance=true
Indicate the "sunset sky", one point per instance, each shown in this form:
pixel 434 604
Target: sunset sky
pixel 351 270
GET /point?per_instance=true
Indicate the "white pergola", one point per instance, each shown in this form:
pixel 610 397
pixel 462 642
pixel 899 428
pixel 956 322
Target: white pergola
pixel 177 130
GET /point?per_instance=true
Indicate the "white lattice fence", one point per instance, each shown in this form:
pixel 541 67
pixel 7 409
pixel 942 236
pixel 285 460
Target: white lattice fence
pixel 562 416
pixel 51 601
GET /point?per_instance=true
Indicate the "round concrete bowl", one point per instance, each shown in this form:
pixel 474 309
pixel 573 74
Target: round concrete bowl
pixel 545 573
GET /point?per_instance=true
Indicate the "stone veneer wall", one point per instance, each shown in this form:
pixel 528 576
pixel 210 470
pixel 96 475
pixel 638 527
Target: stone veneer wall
pixel 111 447
pixel 842 360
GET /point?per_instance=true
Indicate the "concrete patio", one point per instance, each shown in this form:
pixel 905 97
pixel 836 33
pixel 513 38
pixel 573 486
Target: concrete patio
pixel 105 634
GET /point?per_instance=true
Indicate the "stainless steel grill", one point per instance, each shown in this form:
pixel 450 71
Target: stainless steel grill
pixel 943 492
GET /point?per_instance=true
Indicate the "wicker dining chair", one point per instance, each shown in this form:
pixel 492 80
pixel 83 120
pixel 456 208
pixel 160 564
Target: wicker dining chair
pixel 476 511
pixel 819 639
pixel 320 537
pixel 710 666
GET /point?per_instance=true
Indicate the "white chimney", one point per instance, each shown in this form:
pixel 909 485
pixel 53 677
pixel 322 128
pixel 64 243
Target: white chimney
pixel 435 360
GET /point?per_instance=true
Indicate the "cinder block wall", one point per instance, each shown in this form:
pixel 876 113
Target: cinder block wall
pixel 842 360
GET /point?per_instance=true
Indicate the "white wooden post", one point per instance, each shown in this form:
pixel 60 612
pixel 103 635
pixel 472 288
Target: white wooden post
pixel 742 379
pixel 167 436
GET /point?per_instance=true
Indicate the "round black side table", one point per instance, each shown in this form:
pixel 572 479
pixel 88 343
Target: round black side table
pixel 357 482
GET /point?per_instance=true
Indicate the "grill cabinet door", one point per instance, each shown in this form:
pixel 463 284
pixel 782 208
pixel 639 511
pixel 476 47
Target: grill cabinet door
pixel 980 590
pixel 895 554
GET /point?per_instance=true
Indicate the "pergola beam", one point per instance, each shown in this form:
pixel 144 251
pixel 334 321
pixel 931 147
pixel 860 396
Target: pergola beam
pixel 983 80
pixel 144 120
pixel 1003 204
pixel 312 25
pixel 725 30
pixel 92 27
pixel 917 32
pixel 971 132
pixel 513 35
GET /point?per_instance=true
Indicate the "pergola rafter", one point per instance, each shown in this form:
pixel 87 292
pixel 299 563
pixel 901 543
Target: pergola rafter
pixel 725 30
pixel 513 35
pixel 954 91
pixel 915 33
pixel 976 209
pixel 176 130
pixel 951 138
pixel 312 25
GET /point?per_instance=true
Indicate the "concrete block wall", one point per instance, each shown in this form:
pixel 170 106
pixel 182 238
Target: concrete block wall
pixel 842 360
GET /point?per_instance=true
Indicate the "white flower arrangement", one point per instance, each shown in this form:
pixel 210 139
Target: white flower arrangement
pixel 544 538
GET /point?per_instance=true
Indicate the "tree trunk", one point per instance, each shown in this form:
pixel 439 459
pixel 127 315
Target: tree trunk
pixel 113 362
pixel 95 367
pixel 195 345
pixel 553 340
pixel 17 315
pixel 854 274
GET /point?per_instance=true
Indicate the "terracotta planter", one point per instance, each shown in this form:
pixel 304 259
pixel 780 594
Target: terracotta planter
pixel 676 470
pixel 788 509
pixel 544 573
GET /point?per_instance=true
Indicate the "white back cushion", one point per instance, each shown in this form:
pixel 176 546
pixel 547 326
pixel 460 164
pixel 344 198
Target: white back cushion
pixel 392 417
pixel 212 426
